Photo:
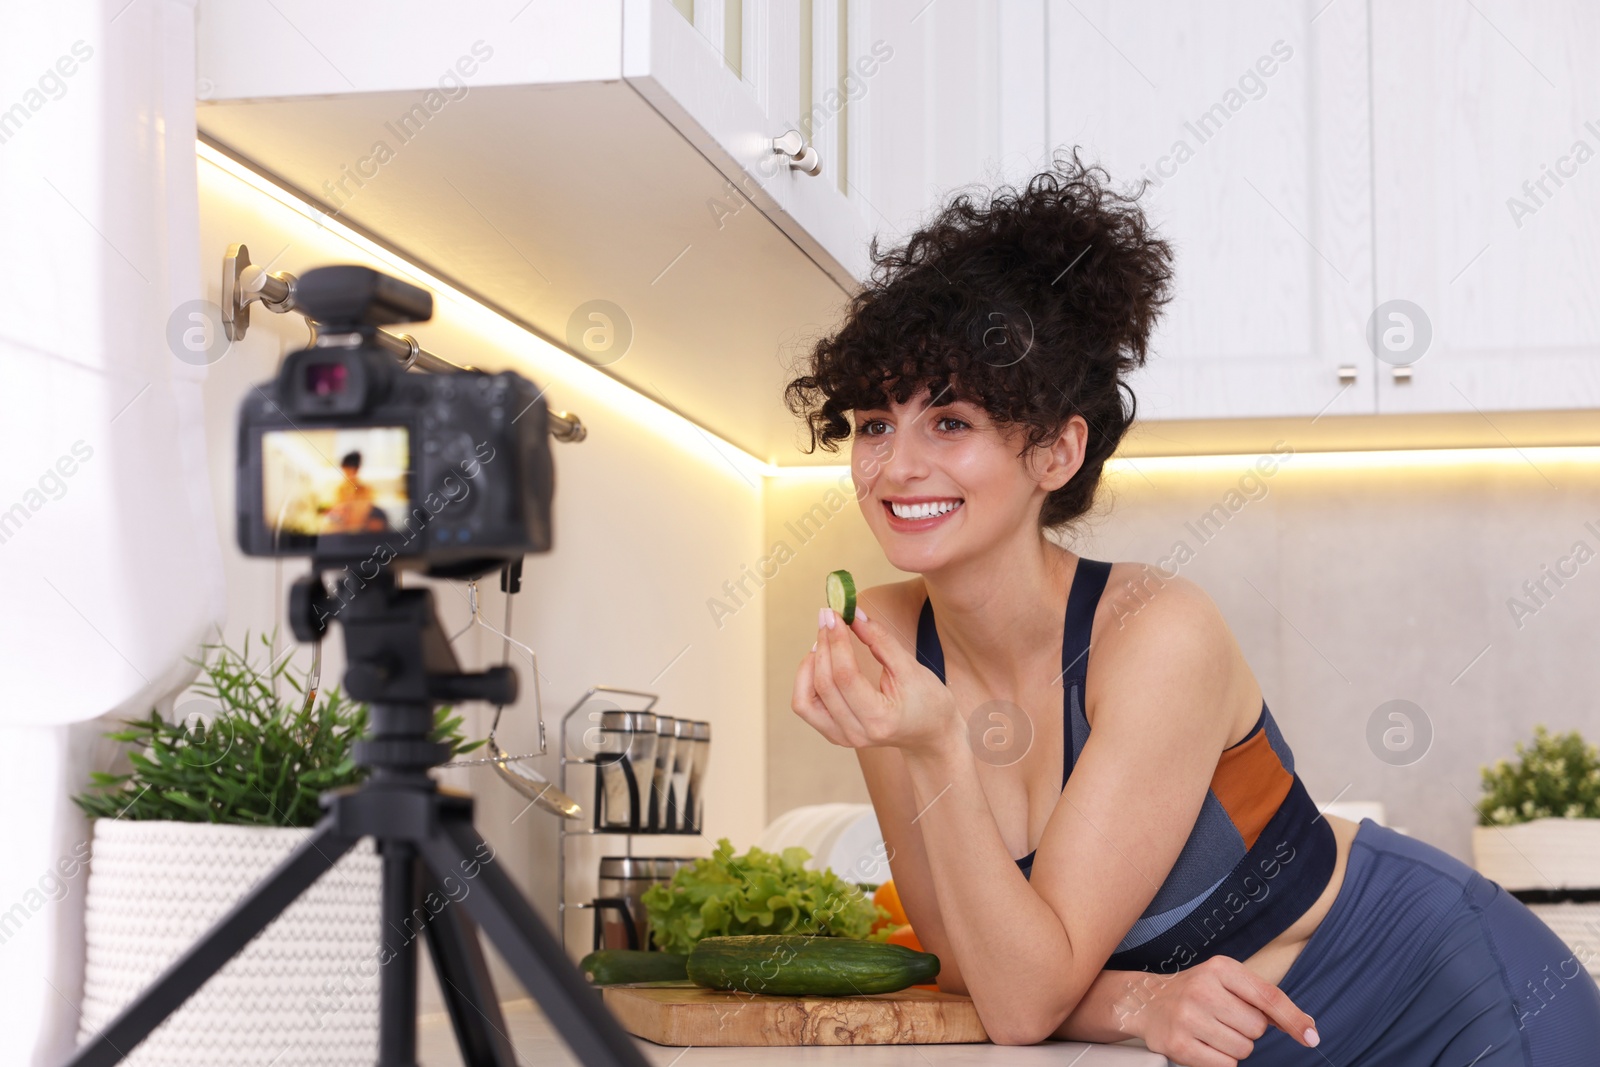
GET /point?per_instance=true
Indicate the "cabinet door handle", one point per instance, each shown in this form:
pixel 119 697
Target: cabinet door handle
pixel 1347 373
pixel 1402 374
pixel 802 157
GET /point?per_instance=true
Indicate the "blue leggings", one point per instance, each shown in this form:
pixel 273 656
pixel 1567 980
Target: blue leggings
pixel 1424 962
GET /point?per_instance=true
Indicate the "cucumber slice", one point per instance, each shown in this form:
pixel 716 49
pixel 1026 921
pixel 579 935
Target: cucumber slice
pixel 841 590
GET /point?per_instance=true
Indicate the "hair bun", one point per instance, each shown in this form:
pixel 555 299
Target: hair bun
pixel 1034 302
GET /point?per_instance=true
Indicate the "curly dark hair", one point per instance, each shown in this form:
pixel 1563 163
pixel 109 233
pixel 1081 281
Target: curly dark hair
pixel 1034 306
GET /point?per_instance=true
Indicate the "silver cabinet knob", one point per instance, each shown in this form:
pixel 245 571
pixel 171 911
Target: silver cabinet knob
pixel 802 157
pixel 1347 373
pixel 1401 374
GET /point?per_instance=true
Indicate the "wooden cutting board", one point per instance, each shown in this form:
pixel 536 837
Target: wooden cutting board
pixel 683 1014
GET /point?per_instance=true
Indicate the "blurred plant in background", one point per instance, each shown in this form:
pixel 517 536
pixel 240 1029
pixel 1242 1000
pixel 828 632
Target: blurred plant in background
pixel 1559 777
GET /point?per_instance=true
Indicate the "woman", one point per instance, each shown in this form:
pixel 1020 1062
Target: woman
pixel 1144 861
pixel 354 508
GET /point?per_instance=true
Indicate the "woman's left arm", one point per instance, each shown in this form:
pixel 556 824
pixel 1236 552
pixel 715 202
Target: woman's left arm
pixel 1028 952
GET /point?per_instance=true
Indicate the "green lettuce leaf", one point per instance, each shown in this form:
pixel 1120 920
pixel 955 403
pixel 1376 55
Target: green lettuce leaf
pixel 757 893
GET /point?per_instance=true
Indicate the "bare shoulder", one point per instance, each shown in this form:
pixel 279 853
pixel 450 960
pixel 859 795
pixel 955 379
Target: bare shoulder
pixel 1154 624
pixel 1141 602
pixel 1148 616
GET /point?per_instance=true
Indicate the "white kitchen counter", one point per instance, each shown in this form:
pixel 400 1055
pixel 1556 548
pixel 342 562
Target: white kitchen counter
pixel 536 1043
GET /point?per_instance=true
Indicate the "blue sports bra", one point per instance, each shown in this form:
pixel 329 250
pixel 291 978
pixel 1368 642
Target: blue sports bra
pixel 1259 854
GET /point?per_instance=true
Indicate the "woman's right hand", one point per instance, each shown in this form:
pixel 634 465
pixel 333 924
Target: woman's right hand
pixel 909 708
pixel 1211 1014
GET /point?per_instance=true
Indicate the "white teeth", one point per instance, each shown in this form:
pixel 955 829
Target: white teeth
pixel 923 511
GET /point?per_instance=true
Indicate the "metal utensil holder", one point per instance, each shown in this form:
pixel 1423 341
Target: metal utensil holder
pixel 564 760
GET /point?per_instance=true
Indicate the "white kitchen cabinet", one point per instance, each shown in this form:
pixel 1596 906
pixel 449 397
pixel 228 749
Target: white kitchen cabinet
pixel 729 80
pixel 1304 168
pixel 570 165
pixel 732 113
pixel 959 99
pixel 1250 121
pixel 1487 204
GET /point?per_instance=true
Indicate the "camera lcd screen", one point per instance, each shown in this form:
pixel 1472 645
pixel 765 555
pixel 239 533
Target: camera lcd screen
pixel 348 481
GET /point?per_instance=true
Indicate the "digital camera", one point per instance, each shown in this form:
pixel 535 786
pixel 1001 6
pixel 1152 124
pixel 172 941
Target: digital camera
pixel 349 458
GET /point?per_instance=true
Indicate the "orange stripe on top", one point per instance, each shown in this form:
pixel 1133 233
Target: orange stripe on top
pixel 1250 782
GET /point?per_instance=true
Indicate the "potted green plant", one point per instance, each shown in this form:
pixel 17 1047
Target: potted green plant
pixel 212 802
pixel 1538 832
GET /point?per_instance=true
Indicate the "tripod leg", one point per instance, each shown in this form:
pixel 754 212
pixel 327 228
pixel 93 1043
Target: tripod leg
pixel 464 982
pixel 397 982
pixel 572 1005
pixel 264 903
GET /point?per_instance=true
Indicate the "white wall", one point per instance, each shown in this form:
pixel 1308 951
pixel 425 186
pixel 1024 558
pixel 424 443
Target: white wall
pixel 650 521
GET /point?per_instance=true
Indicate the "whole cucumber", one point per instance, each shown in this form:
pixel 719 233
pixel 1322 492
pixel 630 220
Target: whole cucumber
pixel 610 966
pixel 796 965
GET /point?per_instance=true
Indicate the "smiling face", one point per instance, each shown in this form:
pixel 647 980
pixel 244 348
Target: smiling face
pixel 944 482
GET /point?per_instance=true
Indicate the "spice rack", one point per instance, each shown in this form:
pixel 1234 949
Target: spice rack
pixel 563 761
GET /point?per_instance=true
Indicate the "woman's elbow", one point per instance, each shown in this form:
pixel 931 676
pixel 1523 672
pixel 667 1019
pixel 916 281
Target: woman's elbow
pixel 1018 1032
pixel 1021 1027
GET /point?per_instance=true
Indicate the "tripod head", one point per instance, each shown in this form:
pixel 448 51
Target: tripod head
pixel 399 661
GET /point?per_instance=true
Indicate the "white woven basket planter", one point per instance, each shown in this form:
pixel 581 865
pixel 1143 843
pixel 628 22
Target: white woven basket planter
pixel 1542 854
pixel 304 992
pixel 1549 854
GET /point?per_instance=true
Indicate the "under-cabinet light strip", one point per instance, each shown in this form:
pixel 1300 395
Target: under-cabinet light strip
pixel 636 405
pixel 1395 458
pixel 513 337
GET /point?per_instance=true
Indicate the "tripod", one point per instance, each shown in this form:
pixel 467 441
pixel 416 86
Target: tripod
pixel 401 662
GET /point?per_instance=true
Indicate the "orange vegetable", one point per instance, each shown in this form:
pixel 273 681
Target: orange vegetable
pixel 904 935
pixel 888 898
